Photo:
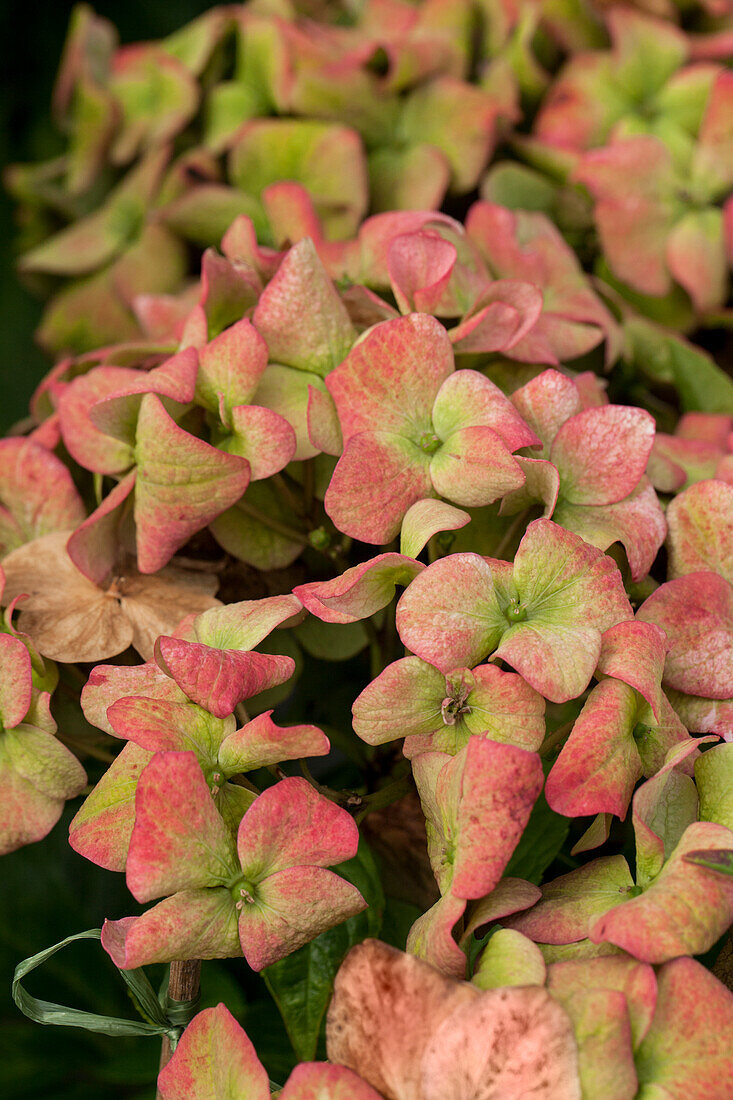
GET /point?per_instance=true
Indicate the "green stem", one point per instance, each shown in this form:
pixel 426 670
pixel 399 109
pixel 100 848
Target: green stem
pixel 274 524
pixel 385 796
pixel 183 985
pixel 510 532
pixel 288 497
pixel 242 781
pixel 341 798
pixel 376 657
pixel 308 487
pixel 554 739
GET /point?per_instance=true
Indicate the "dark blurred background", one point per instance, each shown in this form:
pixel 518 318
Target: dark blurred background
pixel 31 38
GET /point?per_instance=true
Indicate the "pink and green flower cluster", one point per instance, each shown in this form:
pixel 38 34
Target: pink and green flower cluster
pixel 474 470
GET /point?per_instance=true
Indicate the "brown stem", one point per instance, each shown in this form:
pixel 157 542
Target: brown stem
pixel 183 985
pixel 385 796
pixel 274 524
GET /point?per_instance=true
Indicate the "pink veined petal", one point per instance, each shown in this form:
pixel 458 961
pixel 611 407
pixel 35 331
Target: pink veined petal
pixel 425 519
pixel 713 161
pixel 633 221
pixel 389 380
pixel 685 1052
pixel 180 843
pixel 194 924
pixel 214 1060
pixel 634 652
pixel 700 524
pixel 38 491
pixel 372 509
pixel 664 806
pixel 697 259
pixel 683 912
pixel 510 959
pixel 291 907
pixel 304 322
pixel 488 790
pixel 263 437
pixel 377 233
pixel 547 402
pixel 601 453
pixel 16 684
pixel 553 340
pixel 557 660
pixel 469 399
pixel 403 701
pixel 386 1006
pixel 244 624
pixel 324 429
pixel 556 572
pixel 696 613
pixel 101 829
pixel 635 980
pixel 420 266
pixel 431 936
pixel 573 900
pixel 116 414
pixel 230 366
pixel 541 486
pixel 510 896
pixel 602 1030
pixel 182 484
pixel 446 634
pixel 95 544
pixel 505 315
pixel 291 825
pixel 474 468
pixel 228 292
pixel 86 444
pixel 108 683
pixel 599 764
pixel 360 591
pixel 509 1043
pixel 637 522
pixel 218 679
pixel 161 725
pixel 29 814
pixel 322 1081
pixel 261 743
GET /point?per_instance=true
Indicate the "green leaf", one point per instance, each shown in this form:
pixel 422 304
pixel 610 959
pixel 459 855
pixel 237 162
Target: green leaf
pixel 301 984
pixel 700 383
pixel 718 859
pixel 541 841
pixel 331 641
pixel 520 188
pixel 399 917
pixel 46 1012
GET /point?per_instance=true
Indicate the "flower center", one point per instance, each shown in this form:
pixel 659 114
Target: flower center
pixel 429 442
pixel 243 891
pixel 456 700
pixel 117 587
pixel 514 611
